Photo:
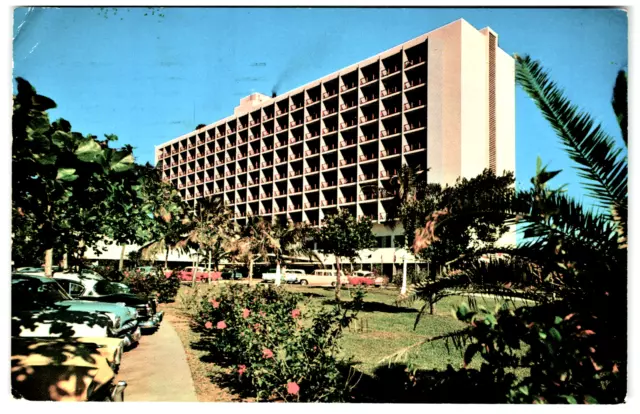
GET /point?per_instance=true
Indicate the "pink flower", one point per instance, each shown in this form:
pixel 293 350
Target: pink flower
pixel 214 303
pixel 293 388
pixel 208 325
pixel 263 314
pixel 126 273
pixel 241 369
pixel 221 325
pixel 267 353
pixel 245 313
pixel 295 313
pixel 256 326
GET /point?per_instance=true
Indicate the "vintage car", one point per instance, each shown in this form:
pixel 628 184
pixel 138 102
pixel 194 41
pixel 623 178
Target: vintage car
pixel 286 275
pixel 38 271
pixel 41 308
pixel 365 277
pixel 231 274
pixel 186 275
pixel 44 369
pixel 322 277
pixel 113 292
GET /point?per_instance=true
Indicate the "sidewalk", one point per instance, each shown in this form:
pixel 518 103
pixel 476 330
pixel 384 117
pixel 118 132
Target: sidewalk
pixel 157 369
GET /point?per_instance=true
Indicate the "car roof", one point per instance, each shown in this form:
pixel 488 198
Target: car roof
pixel 16 277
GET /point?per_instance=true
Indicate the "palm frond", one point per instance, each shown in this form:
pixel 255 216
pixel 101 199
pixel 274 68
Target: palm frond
pixel 619 103
pixel 599 161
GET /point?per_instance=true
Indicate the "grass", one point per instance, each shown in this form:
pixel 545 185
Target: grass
pixel 383 328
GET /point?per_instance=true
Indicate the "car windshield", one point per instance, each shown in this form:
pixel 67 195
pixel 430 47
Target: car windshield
pixel 34 293
pixel 105 287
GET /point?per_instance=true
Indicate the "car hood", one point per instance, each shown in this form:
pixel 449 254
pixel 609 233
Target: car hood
pixel 59 322
pixel 125 313
pixel 127 298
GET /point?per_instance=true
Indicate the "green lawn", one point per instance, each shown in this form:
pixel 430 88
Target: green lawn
pixel 385 328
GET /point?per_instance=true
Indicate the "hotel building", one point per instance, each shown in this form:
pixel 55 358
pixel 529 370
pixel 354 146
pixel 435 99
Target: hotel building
pixel 444 101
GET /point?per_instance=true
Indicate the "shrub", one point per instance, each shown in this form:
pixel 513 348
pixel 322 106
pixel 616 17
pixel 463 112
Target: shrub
pixel 279 346
pixel 163 286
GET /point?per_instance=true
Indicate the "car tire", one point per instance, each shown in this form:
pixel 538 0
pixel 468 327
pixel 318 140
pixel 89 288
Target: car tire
pixel 303 282
pixel 333 284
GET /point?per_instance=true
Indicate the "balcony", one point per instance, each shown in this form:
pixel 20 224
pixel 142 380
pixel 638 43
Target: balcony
pixel 413 83
pixel 344 181
pixel 389 91
pixel 413 147
pixel 366 157
pixel 279 144
pixel 310 152
pixel 254 137
pixel 295 173
pixel 310 188
pixel 325 203
pixel 326 95
pixel 414 104
pixel 368 98
pixel 281 112
pixel 311 205
pixel 388 112
pixel 347 87
pixel 330 147
pixel 294 208
pixel 280 129
pixel 344 144
pixel 279 176
pixel 347 200
pixel 242 127
pixel 388 132
pixel 328 130
pixel 387 153
pixel 295 123
pixel 267 133
pixel 229 173
pixel 327 184
pixel 368 118
pixel 295 106
pixel 347 162
pixel 279 193
pixel 364 138
pixel 252 123
pixel 266 148
pixel 312 135
pixel 311 118
pixel 345 106
pixel 230 131
pixel 265 180
pixel 413 62
pixel 295 190
pixel 267 117
pixel 328 112
pixel 366 177
pixel 310 101
pixel 293 140
pixel 310 170
pixel 411 127
pixel 368 197
pixel 294 157
pixel 219 135
pixel 346 125
pixel 367 79
pixel 190 145
pixel 389 71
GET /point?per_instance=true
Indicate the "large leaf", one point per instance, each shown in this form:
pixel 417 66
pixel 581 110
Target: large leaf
pixel 60 138
pixel 88 151
pixel 600 162
pixel 66 174
pixel 122 163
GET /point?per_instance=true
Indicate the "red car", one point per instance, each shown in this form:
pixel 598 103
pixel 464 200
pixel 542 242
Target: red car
pixel 186 275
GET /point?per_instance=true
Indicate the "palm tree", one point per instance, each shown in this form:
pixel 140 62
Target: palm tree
pixel 571 264
pixel 253 243
pixel 289 242
pixel 210 228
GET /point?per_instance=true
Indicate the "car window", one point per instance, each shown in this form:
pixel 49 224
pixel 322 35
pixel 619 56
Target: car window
pixel 33 293
pixel 105 287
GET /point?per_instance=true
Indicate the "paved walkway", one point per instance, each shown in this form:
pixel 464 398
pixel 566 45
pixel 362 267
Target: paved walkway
pixel 157 369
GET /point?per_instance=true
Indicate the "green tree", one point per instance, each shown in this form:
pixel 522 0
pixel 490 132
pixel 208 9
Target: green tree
pixel 571 265
pixel 253 243
pixel 286 242
pixel 343 236
pixel 59 183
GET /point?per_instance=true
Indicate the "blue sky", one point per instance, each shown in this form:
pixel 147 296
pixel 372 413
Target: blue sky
pixel 150 78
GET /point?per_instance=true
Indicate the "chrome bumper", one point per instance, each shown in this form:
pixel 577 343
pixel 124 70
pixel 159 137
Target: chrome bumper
pixel 132 338
pixel 117 394
pixel 152 322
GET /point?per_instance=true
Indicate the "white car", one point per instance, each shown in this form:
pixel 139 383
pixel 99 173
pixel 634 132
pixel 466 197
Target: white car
pixel 286 275
pixel 322 277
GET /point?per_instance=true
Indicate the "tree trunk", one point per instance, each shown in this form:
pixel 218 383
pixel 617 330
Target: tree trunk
pixel 338 279
pixel 209 268
pixel 65 262
pixel 121 264
pixel 194 272
pixel 250 270
pixel 48 261
pixel 278 274
pixel 166 258
pixel 403 289
pixel 432 297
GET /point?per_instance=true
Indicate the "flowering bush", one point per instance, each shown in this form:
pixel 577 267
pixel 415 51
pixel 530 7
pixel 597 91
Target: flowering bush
pixel 163 285
pixel 278 346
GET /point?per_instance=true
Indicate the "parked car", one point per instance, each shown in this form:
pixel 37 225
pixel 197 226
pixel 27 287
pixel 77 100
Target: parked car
pixel 359 275
pixel 232 274
pixel 186 275
pixel 41 308
pixel 146 308
pixel 35 271
pixel 63 370
pixel 286 275
pixel 322 277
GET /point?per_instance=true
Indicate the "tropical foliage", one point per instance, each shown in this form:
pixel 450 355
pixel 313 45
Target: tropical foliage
pixel 344 236
pixel 571 266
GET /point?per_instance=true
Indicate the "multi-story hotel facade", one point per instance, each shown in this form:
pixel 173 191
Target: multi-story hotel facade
pixel 444 101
